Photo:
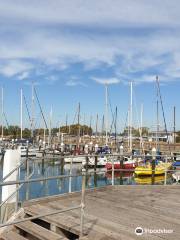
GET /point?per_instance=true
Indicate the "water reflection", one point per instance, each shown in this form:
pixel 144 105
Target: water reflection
pixel 57 186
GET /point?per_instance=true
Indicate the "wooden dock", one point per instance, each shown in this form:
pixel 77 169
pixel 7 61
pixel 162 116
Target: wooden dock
pixel 112 212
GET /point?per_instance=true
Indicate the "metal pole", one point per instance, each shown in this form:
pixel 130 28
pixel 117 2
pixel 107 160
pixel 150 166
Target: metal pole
pixel 165 176
pixel 113 172
pixel 82 201
pixel 2 112
pixel 70 178
pixel 106 112
pixel 130 130
pixel 32 113
pixel 21 113
pixel 174 128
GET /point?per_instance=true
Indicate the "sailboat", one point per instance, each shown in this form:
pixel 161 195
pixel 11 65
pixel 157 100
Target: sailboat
pixel 128 163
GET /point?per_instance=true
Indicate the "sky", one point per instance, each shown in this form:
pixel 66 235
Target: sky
pixel 70 49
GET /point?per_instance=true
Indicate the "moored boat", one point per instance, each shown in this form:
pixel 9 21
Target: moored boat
pixel 147 169
pixel 127 164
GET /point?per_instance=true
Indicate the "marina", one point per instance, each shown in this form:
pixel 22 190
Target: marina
pixel 89 120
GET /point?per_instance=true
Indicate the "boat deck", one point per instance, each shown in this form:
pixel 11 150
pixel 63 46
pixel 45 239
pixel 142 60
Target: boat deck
pixel 112 212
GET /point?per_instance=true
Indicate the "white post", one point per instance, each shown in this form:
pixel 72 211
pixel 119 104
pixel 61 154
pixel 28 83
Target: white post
pixel 2 112
pixel 11 161
pixel 130 130
pixel 21 113
pixel 106 112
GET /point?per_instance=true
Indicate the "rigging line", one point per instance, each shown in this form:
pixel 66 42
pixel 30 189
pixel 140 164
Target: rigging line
pixel 26 107
pixel 113 114
pixel 139 125
pixel 112 123
pixel 36 123
pixel 40 107
pixel 75 117
pixel 162 107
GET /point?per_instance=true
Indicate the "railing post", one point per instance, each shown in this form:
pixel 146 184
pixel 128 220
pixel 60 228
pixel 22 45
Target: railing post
pixel 70 173
pixel 17 193
pixel 95 163
pixel 113 171
pixel 82 201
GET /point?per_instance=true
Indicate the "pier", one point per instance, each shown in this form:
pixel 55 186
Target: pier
pixel 111 212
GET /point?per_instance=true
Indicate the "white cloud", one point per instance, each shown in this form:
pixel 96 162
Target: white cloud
pixel 107 81
pixel 23 76
pixel 13 67
pixel 101 12
pixel 74 83
pixel 138 33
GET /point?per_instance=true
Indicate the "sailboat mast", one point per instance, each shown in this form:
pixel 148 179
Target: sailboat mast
pixel 130 119
pixel 50 123
pixel 157 115
pixel 115 127
pixel 97 125
pixel 102 131
pixel 21 92
pixel 141 126
pixel 32 112
pixel 106 112
pixel 78 139
pixel 2 112
pixel 174 127
pixel 128 128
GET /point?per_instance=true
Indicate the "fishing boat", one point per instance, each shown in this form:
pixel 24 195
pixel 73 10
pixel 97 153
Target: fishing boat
pixel 128 163
pixel 146 170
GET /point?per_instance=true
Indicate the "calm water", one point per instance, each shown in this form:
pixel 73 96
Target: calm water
pixel 57 186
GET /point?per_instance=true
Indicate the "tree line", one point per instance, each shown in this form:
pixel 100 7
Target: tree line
pixel 14 131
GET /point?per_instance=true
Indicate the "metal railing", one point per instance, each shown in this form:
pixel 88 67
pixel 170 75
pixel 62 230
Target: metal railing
pixel 19 183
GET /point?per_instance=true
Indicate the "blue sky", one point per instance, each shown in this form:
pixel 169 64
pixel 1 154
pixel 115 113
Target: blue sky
pixel 69 49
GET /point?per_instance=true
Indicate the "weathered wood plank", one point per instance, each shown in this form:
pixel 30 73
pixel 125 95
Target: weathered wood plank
pixel 38 231
pixel 12 235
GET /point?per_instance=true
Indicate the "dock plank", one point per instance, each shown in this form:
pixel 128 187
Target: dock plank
pixel 115 212
pixel 12 235
pixel 38 231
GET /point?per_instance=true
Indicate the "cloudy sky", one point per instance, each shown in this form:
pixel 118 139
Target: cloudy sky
pixel 70 48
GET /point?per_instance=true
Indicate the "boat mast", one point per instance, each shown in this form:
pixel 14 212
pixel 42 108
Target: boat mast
pixel 130 119
pixel 102 131
pixel 2 112
pixel 174 127
pixel 78 139
pixel 128 128
pixel 157 116
pixel 50 123
pixel 115 127
pixel 141 126
pixel 21 92
pixel 106 112
pixel 32 112
pixel 97 126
